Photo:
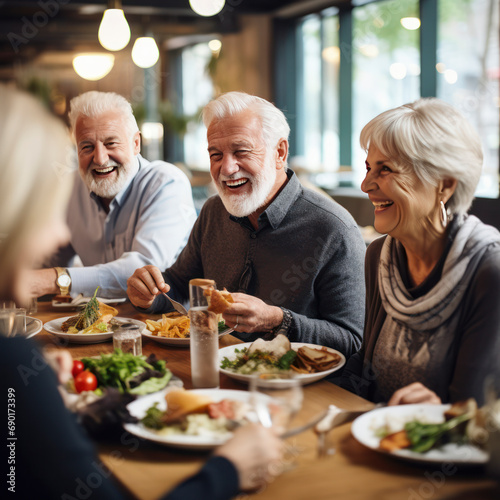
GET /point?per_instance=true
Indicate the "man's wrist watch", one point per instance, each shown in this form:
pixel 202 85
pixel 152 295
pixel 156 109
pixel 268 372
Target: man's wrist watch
pixel 63 280
pixel 285 324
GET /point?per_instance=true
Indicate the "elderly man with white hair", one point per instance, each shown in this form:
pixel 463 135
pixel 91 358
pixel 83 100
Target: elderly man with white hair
pixel 125 212
pixel 292 258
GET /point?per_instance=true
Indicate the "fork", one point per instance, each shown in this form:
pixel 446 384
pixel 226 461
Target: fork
pixel 177 306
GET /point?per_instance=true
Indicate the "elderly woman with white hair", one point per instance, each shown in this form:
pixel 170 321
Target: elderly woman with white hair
pixel 432 326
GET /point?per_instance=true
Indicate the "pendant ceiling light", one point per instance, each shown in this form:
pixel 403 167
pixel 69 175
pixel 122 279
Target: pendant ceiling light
pixel 93 66
pixel 207 8
pixel 145 52
pixel 114 31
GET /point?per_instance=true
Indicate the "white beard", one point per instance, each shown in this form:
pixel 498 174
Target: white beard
pixel 108 188
pixel 242 205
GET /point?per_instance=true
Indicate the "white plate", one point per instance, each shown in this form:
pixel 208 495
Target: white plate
pixel 54 327
pixel 176 342
pixel 80 301
pixel 364 427
pixel 138 409
pixel 229 352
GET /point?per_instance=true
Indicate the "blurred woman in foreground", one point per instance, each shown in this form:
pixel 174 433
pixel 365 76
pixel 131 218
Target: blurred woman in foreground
pixel 432 325
pixel 52 457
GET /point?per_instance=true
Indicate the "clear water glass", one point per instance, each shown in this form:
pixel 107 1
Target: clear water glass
pixel 128 338
pixel 204 336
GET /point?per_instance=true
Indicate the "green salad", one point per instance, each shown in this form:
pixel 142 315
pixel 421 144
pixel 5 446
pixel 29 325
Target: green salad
pixel 258 361
pixel 128 373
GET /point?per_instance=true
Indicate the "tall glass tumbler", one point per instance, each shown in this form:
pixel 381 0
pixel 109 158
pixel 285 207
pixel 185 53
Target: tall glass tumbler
pixel 204 344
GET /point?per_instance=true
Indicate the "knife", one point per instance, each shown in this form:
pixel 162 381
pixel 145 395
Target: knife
pixel 336 416
pixel 305 427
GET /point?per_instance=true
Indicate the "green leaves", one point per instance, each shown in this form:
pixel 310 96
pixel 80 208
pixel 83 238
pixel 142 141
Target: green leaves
pixel 423 437
pixel 129 373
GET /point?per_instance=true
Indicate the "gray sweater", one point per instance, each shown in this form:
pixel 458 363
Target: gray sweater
pixel 306 256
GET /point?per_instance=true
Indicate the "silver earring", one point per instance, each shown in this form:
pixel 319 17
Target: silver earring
pixel 444 215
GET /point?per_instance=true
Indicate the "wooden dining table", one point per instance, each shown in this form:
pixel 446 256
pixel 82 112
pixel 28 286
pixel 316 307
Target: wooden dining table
pixel 147 470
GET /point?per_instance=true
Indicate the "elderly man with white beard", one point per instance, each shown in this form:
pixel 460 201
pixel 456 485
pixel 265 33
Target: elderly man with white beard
pixel 125 212
pixel 291 258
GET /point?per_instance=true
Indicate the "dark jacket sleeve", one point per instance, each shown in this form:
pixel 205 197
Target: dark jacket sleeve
pixel 53 457
pixel 217 480
pixel 357 376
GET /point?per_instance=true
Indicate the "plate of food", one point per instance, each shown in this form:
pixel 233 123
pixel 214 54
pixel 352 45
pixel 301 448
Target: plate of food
pixel 310 362
pixel 198 419
pixel 173 329
pixel 425 433
pixel 94 323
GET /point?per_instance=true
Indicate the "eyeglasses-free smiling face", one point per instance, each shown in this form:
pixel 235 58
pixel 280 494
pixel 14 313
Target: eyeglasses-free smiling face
pixel 244 171
pixel 106 152
pixel 404 205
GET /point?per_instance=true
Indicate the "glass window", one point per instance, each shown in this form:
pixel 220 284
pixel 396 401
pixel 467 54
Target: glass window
pixel 386 66
pixel 318 109
pixel 197 90
pixel 468 74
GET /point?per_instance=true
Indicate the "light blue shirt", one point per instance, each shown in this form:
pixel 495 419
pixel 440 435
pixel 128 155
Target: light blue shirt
pixel 148 222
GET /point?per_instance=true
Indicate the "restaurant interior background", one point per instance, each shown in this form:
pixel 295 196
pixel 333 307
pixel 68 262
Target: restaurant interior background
pixel 331 65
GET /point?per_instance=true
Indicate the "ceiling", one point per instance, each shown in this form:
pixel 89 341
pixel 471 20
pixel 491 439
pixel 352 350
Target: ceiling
pixel 30 30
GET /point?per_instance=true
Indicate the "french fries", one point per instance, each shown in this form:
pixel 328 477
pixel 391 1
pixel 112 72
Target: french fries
pixel 170 325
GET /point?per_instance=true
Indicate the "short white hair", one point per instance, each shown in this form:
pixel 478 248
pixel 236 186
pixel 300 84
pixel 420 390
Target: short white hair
pixel 274 124
pixel 94 103
pixel 36 175
pixel 434 140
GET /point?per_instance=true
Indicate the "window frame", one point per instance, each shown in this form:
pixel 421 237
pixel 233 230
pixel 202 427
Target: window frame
pixel 287 91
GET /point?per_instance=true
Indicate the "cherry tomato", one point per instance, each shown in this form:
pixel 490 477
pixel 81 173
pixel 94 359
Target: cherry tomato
pixel 77 367
pixel 85 381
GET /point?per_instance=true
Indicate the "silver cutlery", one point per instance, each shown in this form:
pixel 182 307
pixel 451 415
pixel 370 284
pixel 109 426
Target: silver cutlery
pixel 334 417
pixel 177 305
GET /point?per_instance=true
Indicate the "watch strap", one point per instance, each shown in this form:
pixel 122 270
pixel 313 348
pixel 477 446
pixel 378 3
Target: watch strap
pixel 285 324
pixel 61 271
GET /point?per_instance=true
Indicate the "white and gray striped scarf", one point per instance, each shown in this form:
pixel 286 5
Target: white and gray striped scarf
pixel 431 310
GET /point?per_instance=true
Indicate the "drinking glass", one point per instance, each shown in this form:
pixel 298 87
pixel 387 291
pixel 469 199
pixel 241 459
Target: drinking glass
pixel 276 398
pixel 204 336
pixel 12 321
pixel 7 318
pixel 128 338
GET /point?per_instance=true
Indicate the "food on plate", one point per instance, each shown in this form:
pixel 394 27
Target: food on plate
pixel 175 326
pixel 419 435
pixel 171 325
pixel 85 381
pixel 277 355
pixel 219 300
pixel 77 367
pixel 94 318
pixel 195 414
pixel 312 360
pixel 182 403
pixel 128 373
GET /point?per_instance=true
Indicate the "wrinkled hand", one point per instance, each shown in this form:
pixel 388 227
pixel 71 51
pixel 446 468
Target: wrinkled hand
pixel 144 285
pixel 255 452
pixel 250 314
pixel 61 362
pixel 413 394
